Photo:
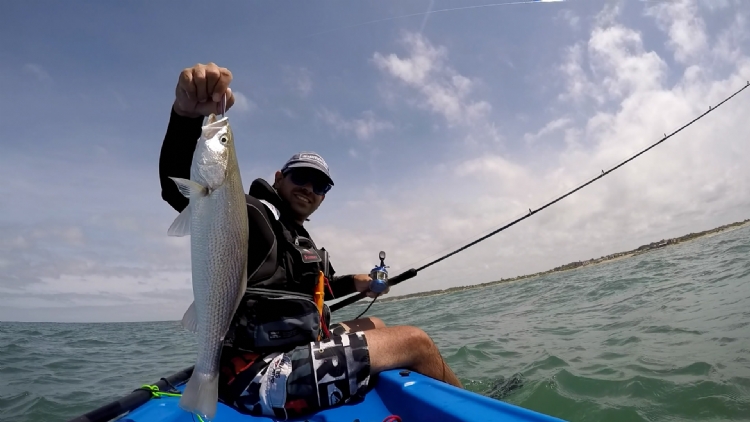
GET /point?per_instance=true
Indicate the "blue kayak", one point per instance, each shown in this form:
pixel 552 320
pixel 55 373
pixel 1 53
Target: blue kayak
pixel 398 396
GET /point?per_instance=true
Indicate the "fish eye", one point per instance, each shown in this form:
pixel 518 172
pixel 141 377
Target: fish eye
pixel 224 139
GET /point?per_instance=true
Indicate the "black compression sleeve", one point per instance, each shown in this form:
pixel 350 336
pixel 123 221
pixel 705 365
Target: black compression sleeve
pixel 177 155
pixel 341 286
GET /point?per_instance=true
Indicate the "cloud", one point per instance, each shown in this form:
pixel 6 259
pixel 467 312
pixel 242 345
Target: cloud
pixel 243 104
pixel 697 179
pixel 363 128
pixel 549 128
pixel 687 31
pixel 38 72
pixel 439 88
pixel 89 238
pixel 299 80
pixel 618 58
pixel 83 228
pixel 67 267
pixel 570 17
pixel 719 5
pixel 730 42
pixel 442 89
pixel 578 86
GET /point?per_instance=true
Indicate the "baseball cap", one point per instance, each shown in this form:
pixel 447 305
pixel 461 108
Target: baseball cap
pixel 307 159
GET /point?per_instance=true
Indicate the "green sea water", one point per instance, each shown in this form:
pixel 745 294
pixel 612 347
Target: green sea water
pixel 663 336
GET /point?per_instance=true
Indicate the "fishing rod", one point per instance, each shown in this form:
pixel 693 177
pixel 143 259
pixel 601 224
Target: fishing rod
pixel 413 272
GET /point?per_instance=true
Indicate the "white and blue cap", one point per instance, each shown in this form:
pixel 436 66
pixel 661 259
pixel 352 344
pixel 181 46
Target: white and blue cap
pixel 307 159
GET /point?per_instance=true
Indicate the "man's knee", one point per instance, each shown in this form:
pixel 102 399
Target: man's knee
pixel 411 340
pixel 377 322
pixel 396 346
pixel 417 338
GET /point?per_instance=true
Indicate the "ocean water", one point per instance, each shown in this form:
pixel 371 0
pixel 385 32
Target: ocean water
pixel 663 336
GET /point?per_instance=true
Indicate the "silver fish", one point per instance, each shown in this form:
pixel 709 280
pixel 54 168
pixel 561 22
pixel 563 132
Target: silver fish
pixel 216 220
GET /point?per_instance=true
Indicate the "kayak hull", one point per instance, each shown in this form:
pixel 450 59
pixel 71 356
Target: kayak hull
pixel 408 395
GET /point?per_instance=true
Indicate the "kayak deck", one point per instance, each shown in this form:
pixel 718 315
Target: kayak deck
pixel 408 395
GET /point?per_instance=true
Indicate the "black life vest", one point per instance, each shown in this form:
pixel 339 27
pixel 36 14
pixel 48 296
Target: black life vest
pixel 295 260
pixel 280 289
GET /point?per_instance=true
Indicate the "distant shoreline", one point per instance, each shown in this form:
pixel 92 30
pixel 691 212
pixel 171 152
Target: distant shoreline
pixel 579 264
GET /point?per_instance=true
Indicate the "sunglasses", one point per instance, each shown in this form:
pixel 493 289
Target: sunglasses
pixel 301 178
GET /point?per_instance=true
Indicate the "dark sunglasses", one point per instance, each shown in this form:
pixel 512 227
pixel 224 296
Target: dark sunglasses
pixel 301 178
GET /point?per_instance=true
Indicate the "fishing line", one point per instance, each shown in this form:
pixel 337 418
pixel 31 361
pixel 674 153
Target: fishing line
pixel 413 272
pixel 430 12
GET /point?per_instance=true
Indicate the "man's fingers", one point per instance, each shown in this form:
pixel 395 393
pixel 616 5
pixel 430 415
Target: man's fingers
pixel 200 90
pixel 204 109
pixel 185 83
pixel 215 107
pixel 223 80
pixel 213 73
pixel 199 79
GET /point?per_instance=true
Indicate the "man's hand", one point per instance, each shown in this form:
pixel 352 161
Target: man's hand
pixel 200 88
pixel 362 285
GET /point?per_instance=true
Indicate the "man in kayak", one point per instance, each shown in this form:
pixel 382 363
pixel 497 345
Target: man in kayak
pixel 264 369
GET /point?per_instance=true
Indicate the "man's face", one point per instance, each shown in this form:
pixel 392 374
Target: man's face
pixel 298 188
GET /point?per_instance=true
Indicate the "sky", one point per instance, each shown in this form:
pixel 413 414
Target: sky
pixel 438 127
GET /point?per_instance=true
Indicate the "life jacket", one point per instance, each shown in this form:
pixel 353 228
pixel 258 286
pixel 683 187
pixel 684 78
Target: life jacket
pixel 277 311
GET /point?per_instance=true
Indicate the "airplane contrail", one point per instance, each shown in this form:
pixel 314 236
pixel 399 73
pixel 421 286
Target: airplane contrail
pixel 437 11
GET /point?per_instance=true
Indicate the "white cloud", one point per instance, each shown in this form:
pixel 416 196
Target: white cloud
pixel 570 17
pixel 730 42
pixel 38 71
pixel 106 241
pixel 551 127
pixel 363 128
pixel 442 89
pixel 697 179
pixel 578 86
pixel 618 57
pixel 687 36
pixel 299 80
pixel 714 5
pixel 103 254
pixel 242 103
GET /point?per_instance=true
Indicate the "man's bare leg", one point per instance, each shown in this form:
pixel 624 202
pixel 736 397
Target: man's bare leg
pixel 362 324
pixel 410 348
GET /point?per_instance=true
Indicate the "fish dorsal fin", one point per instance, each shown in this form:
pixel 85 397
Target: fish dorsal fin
pixel 190 319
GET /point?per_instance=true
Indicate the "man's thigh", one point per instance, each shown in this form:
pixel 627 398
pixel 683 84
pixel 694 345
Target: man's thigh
pixel 311 377
pixel 362 324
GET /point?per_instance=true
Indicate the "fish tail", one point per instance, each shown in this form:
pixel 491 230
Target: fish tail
pixel 201 395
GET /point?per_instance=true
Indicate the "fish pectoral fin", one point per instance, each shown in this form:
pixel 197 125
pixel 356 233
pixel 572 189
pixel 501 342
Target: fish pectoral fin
pixel 190 319
pixel 189 187
pixel 181 225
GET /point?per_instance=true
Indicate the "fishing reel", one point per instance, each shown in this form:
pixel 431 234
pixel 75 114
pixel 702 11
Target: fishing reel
pixel 379 276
